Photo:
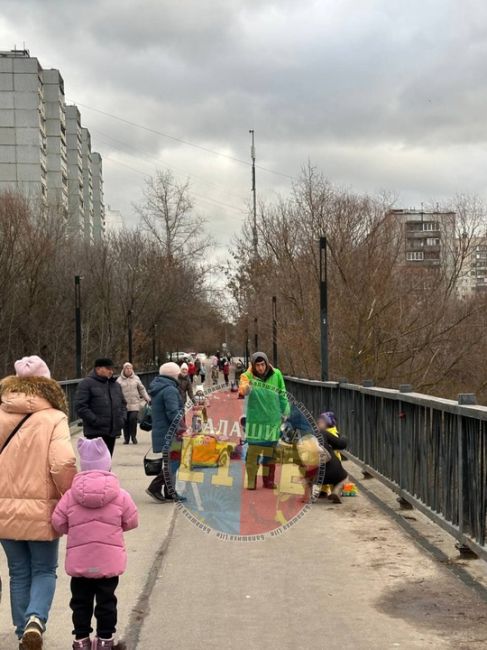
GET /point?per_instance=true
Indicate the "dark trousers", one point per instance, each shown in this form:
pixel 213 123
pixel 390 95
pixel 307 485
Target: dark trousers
pixel 84 592
pixel 130 426
pixel 110 443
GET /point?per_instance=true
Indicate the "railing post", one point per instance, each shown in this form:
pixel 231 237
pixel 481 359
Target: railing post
pixel 464 399
pixel 403 503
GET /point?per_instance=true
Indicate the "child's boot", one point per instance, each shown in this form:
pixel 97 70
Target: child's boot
pixel 102 644
pixel 82 644
pixel 108 644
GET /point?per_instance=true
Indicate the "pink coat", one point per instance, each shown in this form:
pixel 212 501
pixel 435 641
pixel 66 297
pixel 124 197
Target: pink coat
pixel 94 513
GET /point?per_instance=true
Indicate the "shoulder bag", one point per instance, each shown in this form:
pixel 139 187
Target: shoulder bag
pixel 15 431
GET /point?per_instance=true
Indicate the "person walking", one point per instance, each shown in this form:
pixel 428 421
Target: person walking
pixel 100 403
pixel 266 406
pixel 185 384
pixel 191 370
pixel 94 514
pixel 226 371
pixel 37 466
pixel 134 392
pixel 167 419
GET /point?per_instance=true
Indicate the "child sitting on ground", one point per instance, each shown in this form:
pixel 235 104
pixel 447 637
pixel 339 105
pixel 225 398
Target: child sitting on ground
pixel 94 514
pixel 335 474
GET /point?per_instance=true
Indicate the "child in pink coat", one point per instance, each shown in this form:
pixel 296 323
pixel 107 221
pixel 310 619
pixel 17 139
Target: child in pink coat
pixel 94 514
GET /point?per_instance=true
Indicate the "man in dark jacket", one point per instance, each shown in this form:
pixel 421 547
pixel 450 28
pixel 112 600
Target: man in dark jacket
pixel 167 419
pixel 100 403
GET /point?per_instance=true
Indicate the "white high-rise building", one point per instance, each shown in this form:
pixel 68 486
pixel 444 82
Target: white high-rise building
pixel 76 213
pixel 98 204
pixel 44 150
pixel 87 184
pixel 57 163
pixel 23 145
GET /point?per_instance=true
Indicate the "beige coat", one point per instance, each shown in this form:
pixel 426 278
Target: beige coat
pixel 133 390
pixel 38 465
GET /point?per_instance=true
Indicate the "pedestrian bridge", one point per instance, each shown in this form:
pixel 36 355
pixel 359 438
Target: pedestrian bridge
pixel 363 575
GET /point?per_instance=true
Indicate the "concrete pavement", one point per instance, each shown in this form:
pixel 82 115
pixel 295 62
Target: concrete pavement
pixel 343 578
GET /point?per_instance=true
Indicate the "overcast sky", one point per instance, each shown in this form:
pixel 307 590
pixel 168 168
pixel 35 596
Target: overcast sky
pixel 379 94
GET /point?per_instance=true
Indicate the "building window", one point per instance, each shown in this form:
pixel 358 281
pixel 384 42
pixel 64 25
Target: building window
pixel 415 256
pixel 414 226
pixel 432 241
pixel 431 225
pixel 414 243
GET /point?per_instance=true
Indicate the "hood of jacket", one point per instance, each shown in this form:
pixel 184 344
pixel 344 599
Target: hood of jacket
pixel 95 488
pixel 160 383
pixel 30 394
pixel 269 369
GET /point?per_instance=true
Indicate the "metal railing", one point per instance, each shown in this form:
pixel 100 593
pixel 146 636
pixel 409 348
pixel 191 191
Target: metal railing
pixel 432 452
pixel 69 386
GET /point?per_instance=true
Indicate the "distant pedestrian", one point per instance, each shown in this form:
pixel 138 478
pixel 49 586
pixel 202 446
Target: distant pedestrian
pixel 37 466
pixel 100 403
pixel 191 370
pixel 197 366
pixel 202 371
pixel 167 420
pixel 226 371
pixel 185 384
pixel 135 395
pixel 94 514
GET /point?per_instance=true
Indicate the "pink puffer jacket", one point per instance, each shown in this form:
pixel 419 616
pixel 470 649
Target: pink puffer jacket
pixel 94 513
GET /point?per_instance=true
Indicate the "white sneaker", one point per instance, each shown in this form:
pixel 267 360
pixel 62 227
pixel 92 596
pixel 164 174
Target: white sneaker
pixel 32 637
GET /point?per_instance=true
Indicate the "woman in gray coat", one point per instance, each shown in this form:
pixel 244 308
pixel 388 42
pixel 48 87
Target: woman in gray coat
pixel 134 392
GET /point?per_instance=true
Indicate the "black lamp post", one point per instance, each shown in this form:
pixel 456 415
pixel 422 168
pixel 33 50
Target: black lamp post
pixel 324 308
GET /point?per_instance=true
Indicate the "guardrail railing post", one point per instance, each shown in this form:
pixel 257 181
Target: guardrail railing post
pixel 464 399
pixel 403 503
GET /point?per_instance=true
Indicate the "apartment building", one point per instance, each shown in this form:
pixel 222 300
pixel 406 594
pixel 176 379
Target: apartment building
pixel 75 170
pixel 428 237
pixel 23 143
pixel 57 162
pixel 98 204
pixel 473 278
pixel 44 150
pixel 87 165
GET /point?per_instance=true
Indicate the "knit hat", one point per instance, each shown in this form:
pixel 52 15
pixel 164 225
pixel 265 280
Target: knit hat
pixel 103 362
pixel 94 454
pixel 32 366
pixel 329 418
pixel 170 369
pixel 259 356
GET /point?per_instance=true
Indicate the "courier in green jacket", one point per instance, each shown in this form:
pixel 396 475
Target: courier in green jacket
pixel 266 404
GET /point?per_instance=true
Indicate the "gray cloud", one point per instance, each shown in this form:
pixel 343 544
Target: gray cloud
pixel 380 94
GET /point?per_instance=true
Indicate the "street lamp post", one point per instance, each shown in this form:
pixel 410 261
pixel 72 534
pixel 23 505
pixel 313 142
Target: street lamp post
pixel 256 333
pixel 77 316
pixel 129 327
pixel 154 346
pixel 247 353
pixel 274 331
pixel 324 309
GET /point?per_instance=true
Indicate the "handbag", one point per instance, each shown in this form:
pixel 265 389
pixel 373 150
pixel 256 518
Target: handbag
pixel 14 431
pixel 145 421
pixel 152 466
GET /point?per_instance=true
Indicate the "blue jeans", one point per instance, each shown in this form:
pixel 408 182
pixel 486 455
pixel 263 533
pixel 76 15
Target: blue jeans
pixel 32 569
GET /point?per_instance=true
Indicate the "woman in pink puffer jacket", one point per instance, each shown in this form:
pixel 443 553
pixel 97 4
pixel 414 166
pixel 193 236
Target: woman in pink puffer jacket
pixel 94 514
